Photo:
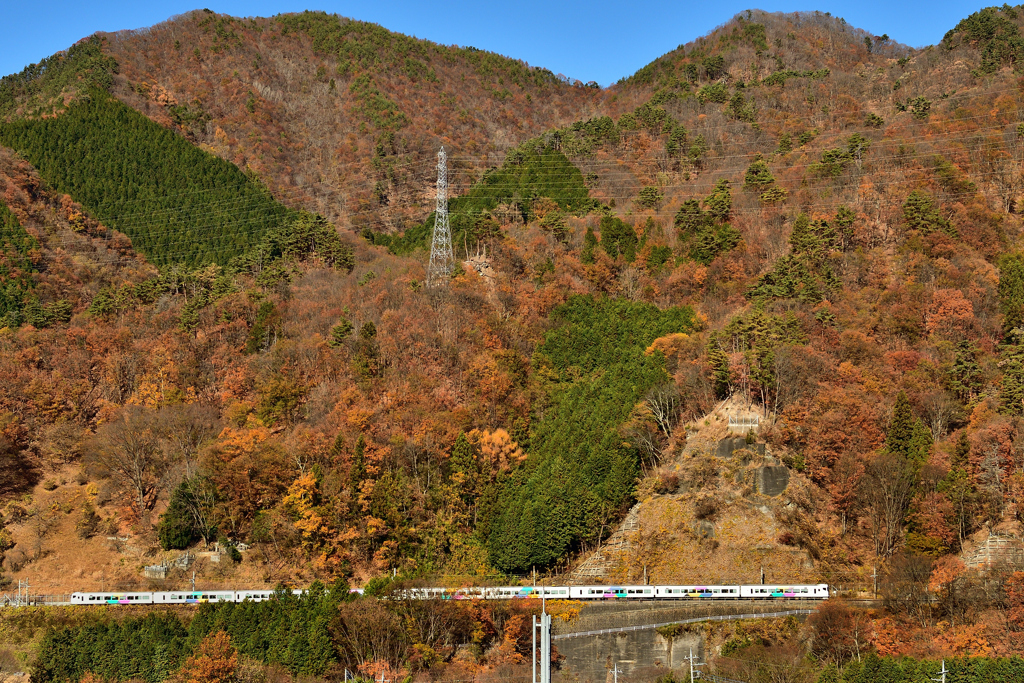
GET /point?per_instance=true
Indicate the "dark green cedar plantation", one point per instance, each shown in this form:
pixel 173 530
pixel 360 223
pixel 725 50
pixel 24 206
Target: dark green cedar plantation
pixel 15 265
pixel 530 172
pixel 18 303
pixel 580 474
pixel 290 630
pixel 176 202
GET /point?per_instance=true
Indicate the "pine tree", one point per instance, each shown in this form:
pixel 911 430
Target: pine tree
pixel 906 435
pixel 720 372
pixel 589 242
pixel 961 453
pixel 618 238
pixel 340 332
pixel 1011 386
pixel 337 448
pixel 1011 291
pixel 358 471
pixel 958 485
pixel 463 459
pixel 690 218
pixel 802 239
pixel 901 426
pixel 719 202
pixel 920 213
pixel 965 375
pixel 758 176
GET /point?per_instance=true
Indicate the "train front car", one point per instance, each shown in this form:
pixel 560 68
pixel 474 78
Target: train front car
pixel 112 598
pixel 792 592
pixel 697 592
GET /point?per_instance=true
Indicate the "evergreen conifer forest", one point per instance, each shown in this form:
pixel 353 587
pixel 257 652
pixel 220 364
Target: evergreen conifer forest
pixel 216 332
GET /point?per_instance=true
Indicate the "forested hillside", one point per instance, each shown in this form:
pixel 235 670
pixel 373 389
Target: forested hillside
pixel 214 235
pixel 343 114
pixel 177 203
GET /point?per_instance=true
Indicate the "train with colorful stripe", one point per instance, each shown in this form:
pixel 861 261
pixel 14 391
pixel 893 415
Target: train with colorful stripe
pixel 171 597
pixel 731 592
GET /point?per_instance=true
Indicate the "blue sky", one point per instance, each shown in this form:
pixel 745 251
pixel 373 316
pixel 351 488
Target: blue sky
pixel 600 40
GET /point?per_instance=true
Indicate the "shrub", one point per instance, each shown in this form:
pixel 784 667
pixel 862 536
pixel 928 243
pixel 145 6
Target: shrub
pixel 88 523
pixel 705 507
pixel 668 482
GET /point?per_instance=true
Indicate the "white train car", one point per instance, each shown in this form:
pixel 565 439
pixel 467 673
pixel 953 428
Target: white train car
pixel 253 596
pixel 612 592
pixel 141 598
pixel 192 598
pixel 697 592
pixel 800 592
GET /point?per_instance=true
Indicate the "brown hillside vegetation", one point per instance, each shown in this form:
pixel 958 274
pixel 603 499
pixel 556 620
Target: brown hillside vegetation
pixel 344 114
pixel 816 224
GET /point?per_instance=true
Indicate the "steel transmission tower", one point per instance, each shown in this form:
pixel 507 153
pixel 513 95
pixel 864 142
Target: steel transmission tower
pixel 442 260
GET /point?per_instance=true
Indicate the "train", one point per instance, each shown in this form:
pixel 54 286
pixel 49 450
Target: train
pixel 171 597
pixel 818 591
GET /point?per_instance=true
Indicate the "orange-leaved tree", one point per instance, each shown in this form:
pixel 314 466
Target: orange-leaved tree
pixel 214 661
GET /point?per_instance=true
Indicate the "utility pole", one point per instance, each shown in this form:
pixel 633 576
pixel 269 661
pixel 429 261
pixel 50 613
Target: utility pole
pixel 693 664
pixel 544 624
pixel 533 651
pixel 874 579
pixel 615 673
pixel 442 260
pixel 942 673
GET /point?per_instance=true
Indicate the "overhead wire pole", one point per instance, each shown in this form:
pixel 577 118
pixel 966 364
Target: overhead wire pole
pixel 694 675
pixel 533 678
pixel 442 259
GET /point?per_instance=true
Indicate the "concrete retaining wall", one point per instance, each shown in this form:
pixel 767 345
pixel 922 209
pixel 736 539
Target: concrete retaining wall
pixel 592 658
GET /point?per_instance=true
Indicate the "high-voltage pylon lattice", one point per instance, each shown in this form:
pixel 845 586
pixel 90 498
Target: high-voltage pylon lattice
pixel 442 260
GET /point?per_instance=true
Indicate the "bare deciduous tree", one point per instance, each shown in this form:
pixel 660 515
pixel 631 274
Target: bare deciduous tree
pixel 663 402
pixel 127 449
pixel 183 428
pixel 887 492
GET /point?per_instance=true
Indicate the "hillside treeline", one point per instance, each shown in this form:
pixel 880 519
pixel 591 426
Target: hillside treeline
pixel 323 633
